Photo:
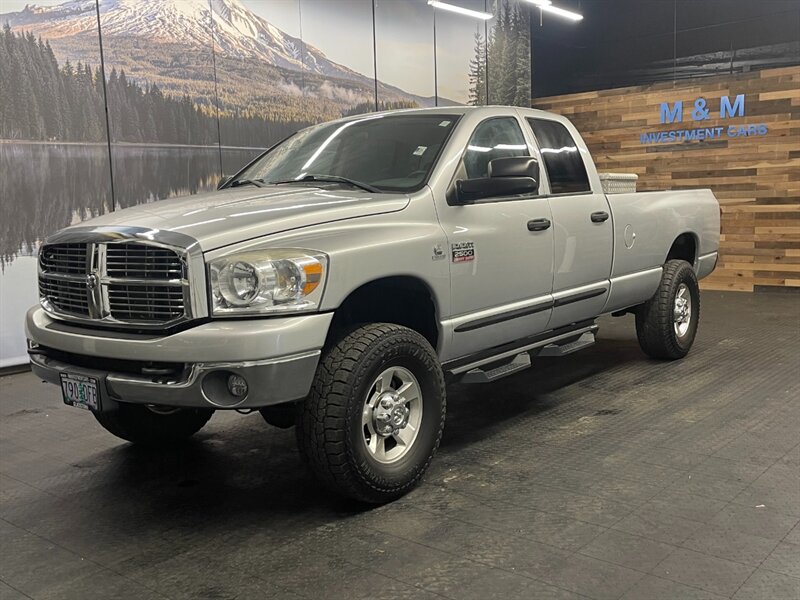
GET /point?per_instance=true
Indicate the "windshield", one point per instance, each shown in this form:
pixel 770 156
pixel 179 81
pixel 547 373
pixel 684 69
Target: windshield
pixel 387 152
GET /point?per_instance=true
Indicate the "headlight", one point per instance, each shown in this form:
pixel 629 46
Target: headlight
pixel 267 281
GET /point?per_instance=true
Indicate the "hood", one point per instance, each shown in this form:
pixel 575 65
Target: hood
pixel 224 217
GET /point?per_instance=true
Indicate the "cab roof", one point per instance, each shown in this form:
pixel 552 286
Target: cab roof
pixel 486 111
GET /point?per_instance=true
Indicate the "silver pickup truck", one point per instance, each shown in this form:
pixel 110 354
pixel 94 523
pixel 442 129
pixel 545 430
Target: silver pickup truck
pixel 338 281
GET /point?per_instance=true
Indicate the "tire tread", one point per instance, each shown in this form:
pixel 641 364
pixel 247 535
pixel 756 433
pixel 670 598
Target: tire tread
pixel 654 326
pixel 323 421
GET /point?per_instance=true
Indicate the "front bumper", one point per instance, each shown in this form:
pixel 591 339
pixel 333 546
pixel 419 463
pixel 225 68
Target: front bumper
pixel 277 357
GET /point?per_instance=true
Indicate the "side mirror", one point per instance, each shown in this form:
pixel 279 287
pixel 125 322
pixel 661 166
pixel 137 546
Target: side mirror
pixel 508 176
pixel 224 181
pixel 514 166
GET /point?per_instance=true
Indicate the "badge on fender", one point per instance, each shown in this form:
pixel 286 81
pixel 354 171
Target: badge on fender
pixel 463 251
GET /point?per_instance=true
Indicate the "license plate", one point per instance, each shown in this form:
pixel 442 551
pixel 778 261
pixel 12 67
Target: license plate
pixel 80 391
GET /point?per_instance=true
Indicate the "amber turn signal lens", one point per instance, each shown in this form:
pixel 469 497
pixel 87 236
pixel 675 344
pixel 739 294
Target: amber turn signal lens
pixel 313 273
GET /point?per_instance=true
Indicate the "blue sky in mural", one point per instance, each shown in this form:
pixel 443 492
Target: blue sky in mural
pixel 405 37
pixel 455 47
pixel 15 5
pixel 342 29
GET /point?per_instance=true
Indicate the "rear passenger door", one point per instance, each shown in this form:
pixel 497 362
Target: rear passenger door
pixel 582 226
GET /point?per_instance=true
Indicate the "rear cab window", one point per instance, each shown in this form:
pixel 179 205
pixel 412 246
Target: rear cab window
pixel 562 159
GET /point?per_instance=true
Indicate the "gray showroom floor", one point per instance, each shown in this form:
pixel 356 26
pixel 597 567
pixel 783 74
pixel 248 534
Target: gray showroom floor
pixel 599 475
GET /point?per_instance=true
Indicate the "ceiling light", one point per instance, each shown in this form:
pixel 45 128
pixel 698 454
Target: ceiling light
pixel 547 6
pixel 475 14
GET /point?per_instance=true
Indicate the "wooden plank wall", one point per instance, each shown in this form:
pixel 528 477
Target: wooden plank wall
pixel 756 179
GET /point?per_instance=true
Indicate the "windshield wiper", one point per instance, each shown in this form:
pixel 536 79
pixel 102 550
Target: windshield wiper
pixel 332 179
pixel 255 182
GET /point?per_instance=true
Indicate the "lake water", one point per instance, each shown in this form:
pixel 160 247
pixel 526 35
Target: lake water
pixel 45 187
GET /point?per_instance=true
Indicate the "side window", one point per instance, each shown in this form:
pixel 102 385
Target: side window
pixel 496 138
pixel 561 157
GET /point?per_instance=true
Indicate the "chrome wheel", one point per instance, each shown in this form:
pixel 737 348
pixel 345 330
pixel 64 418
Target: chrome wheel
pixel 392 414
pixel 682 310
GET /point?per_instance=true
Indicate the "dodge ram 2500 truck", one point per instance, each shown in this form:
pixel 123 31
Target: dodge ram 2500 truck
pixel 342 277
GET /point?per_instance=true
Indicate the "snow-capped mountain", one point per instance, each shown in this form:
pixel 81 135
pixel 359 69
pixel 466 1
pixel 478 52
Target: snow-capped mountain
pixel 237 31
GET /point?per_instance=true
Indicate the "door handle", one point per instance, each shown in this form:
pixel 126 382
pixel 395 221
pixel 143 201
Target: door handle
pixel 538 224
pixel 599 217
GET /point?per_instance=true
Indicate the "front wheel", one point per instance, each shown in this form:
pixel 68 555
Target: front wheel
pixel 666 324
pixel 153 425
pixel 375 414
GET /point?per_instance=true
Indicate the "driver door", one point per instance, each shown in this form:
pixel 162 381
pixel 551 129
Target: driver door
pixel 501 271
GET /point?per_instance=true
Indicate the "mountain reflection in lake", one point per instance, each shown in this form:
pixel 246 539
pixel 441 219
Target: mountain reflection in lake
pixel 46 187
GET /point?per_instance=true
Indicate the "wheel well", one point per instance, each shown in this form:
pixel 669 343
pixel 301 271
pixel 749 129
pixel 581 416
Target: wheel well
pixel 684 247
pixel 401 300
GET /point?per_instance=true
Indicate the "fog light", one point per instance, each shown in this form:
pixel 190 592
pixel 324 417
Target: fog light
pixel 237 386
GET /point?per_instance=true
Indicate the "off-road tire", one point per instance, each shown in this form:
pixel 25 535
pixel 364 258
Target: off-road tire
pixel 654 319
pixel 330 429
pixel 138 424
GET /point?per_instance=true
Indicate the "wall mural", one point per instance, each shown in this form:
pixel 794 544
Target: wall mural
pixel 196 88
pixel 54 162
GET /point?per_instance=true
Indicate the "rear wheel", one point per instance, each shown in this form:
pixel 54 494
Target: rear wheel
pixel 375 414
pixel 666 324
pixel 153 425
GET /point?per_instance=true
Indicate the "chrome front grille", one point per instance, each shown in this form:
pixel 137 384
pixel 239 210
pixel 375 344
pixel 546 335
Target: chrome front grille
pixel 126 283
pixel 145 302
pixel 65 296
pixel 64 258
pixel 142 261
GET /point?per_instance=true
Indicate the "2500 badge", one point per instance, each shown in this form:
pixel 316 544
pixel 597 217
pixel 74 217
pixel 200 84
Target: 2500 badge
pixel 463 251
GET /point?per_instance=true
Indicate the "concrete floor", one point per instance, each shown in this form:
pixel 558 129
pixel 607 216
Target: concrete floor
pixel 599 475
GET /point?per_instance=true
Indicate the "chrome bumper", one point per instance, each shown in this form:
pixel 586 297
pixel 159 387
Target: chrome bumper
pixel 202 385
pixel 277 357
pixel 706 264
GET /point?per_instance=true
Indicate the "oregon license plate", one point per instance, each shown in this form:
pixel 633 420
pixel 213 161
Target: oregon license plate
pixel 80 390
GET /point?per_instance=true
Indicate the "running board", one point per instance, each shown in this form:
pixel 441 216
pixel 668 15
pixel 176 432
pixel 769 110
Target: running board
pixel 565 335
pixel 520 362
pixel 587 339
